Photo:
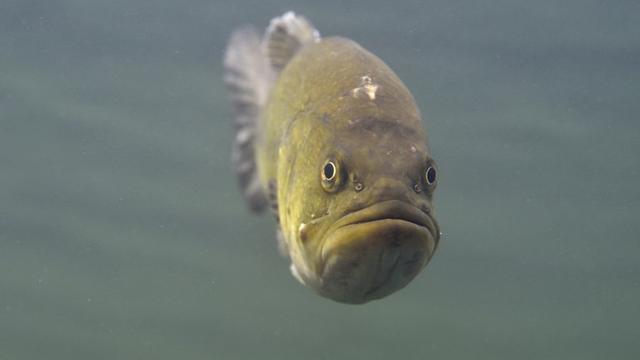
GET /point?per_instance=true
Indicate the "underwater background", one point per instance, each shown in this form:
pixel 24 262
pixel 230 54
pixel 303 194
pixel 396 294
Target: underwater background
pixel 123 234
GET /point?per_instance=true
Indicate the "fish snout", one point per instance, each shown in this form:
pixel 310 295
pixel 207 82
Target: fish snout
pixel 390 189
pixel 383 258
pixel 375 251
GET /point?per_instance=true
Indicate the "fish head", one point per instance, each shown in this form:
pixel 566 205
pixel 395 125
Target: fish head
pixel 366 226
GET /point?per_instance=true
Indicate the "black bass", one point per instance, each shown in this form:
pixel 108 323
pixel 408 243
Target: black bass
pixel 332 141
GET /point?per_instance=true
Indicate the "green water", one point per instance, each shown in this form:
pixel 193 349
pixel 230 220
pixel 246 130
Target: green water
pixel 123 236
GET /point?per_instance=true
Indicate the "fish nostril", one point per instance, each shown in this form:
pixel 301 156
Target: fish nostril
pixel 358 186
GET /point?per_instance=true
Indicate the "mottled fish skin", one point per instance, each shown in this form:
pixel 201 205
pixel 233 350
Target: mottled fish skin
pixel 343 142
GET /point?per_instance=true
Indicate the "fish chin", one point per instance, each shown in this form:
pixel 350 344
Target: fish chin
pixel 375 252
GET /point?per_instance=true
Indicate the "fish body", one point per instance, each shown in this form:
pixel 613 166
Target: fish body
pixel 332 140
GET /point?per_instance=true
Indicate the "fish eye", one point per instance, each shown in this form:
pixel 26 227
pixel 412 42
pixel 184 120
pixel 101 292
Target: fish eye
pixel 331 176
pixel 430 175
pixel 329 171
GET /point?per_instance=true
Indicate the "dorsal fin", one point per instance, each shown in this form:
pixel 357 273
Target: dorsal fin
pixel 285 35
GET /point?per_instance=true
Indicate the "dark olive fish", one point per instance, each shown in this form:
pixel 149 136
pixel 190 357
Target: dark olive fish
pixel 332 141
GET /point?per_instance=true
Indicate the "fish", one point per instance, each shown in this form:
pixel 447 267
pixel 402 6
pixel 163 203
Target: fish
pixel 329 139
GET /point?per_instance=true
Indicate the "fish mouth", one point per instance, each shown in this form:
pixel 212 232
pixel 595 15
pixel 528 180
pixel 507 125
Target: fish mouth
pixel 372 252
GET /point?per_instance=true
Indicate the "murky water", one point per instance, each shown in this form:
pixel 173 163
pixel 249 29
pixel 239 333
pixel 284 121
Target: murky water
pixel 123 236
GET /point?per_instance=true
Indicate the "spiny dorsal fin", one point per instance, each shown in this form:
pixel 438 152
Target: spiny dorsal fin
pixel 248 76
pixel 285 36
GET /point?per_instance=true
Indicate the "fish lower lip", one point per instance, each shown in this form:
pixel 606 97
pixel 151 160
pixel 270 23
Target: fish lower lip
pixel 371 252
pixel 335 237
pixel 371 258
pixel 389 211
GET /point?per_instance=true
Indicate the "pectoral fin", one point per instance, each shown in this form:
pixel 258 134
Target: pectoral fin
pixel 248 76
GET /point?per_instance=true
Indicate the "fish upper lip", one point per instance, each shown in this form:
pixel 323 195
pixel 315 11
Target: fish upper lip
pixel 389 210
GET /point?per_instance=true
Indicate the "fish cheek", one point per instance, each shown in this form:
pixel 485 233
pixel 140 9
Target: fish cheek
pixel 306 201
pixel 303 201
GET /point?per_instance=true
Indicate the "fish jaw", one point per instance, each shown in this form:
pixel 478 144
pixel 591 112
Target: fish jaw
pixel 373 252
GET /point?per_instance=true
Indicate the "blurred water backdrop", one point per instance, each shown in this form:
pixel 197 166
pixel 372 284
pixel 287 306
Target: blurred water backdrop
pixel 123 236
